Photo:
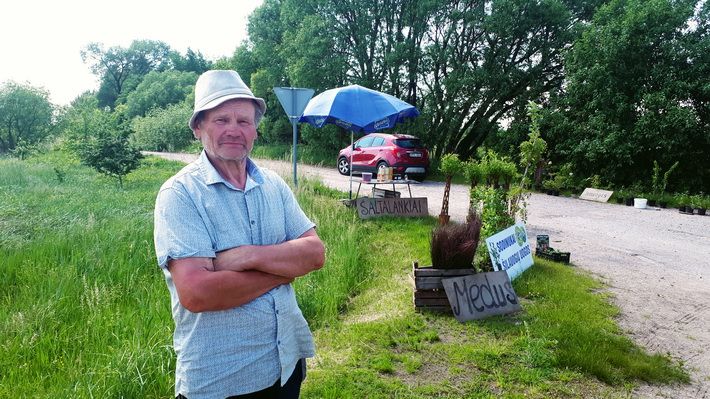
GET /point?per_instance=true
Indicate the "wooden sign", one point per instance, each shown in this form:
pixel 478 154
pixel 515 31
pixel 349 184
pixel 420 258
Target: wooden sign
pixel 481 295
pixel 377 207
pixel 594 194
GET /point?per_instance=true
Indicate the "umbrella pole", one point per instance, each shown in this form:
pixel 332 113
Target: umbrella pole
pixel 351 165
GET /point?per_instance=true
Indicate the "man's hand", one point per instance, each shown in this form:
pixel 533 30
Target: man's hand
pixel 201 288
pixel 290 259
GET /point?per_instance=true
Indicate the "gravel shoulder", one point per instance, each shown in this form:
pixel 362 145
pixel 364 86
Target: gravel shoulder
pixel 655 262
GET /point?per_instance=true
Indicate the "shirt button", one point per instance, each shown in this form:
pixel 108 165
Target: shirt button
pixel 253 222
pixel 278 342
pixel 277 312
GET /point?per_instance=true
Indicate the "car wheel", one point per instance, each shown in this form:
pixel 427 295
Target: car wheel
pixel 343 166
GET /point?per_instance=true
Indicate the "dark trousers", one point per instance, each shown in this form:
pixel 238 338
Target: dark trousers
pixel 291 390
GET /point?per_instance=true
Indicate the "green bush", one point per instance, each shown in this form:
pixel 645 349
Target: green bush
pixel 163 129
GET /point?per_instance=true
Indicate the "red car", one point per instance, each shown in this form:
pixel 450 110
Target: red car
pixel 405 153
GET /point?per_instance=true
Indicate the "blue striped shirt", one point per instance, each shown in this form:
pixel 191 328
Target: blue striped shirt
pixel 249 347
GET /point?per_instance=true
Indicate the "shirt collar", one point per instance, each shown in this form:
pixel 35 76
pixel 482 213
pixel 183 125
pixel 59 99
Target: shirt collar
pixel 212 176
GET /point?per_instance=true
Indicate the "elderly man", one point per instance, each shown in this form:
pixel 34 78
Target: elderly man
pixel 230 238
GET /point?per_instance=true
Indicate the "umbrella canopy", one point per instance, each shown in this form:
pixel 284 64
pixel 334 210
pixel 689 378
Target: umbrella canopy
pixel 357 109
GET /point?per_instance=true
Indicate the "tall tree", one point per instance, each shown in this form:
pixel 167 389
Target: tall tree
pixel 484 60
pixel 465 64
pixel 122 69
pixel 25 115
pixel 637 93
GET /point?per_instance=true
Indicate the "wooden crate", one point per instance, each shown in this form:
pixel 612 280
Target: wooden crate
pixel 382 193
pixel 429 293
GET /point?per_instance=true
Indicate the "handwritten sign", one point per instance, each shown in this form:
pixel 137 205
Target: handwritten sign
pixel 481 295
pixel 594 194
pixel 377 207
pixel 510 250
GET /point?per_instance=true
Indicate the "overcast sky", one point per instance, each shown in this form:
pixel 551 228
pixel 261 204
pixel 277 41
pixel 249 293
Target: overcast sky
pixel 41 40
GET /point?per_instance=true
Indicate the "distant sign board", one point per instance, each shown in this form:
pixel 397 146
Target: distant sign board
pixel 510 250
pixel 594 194
pixel 377 207
pixel 481 295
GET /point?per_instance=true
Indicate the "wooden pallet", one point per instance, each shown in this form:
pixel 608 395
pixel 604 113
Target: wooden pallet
pixel 429 293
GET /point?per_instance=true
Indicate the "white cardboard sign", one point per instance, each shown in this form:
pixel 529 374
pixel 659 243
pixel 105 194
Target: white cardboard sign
pixel 510 250
pixel 594 194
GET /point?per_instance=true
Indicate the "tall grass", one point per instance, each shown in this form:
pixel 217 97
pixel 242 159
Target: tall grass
pixel 84 311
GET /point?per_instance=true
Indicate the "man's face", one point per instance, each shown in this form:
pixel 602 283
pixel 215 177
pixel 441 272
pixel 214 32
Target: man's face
pixel 227 132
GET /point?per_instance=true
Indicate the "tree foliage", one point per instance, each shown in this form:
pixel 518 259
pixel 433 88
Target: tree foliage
pixel 465 65
pixel 635 95
pixel 191 62
pixel 120 69
pixel 99 137
pixel 163 129
pixel 25 115
pixel 158 90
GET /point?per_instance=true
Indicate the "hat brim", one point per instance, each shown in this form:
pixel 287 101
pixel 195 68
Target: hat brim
pixel 217 101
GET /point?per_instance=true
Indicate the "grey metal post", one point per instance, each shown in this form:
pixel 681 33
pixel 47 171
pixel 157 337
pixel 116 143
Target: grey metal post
pixel 295 135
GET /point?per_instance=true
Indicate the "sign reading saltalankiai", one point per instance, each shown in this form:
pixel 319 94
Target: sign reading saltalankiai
pixel 368 207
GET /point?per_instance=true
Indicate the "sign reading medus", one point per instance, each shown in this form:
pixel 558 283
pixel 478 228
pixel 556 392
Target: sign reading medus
pixel 481 295
pixel 376 207
pixel 510 250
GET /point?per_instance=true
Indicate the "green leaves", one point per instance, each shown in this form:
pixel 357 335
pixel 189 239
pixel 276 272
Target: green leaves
pixel 25 115
pixel 634 94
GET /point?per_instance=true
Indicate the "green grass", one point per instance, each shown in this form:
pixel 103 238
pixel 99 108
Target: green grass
pixel 564 344
pixel 84 311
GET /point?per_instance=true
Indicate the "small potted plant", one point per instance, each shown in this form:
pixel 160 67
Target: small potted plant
pixel 652 198
pixel 552 185
pixel 698 201
pixel 629 199
pixel 705 205
pixel 665 199
pixel 659 183
pixel 683 202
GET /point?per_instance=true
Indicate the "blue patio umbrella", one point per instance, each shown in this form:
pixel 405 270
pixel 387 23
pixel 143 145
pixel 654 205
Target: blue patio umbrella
pixel 357 109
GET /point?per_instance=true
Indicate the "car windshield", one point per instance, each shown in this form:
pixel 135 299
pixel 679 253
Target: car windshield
pixel 409 143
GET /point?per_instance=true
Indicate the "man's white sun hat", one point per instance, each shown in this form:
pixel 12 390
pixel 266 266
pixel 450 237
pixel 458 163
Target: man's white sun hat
pixel 217 86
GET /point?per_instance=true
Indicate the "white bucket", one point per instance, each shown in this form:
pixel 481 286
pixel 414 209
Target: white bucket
pixel 640 203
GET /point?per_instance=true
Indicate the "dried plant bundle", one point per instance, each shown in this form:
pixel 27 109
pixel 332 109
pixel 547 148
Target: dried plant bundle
pixel 453 246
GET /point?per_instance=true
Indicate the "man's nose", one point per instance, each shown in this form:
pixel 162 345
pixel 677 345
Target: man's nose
pixel 233 127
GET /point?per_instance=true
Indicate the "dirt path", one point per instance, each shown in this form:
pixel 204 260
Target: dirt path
pixel 656 264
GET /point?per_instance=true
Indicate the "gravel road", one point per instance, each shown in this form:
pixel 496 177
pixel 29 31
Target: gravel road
pixel 655 262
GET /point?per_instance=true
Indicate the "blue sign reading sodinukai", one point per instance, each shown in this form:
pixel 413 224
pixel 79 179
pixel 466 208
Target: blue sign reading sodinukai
pixel 510 250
